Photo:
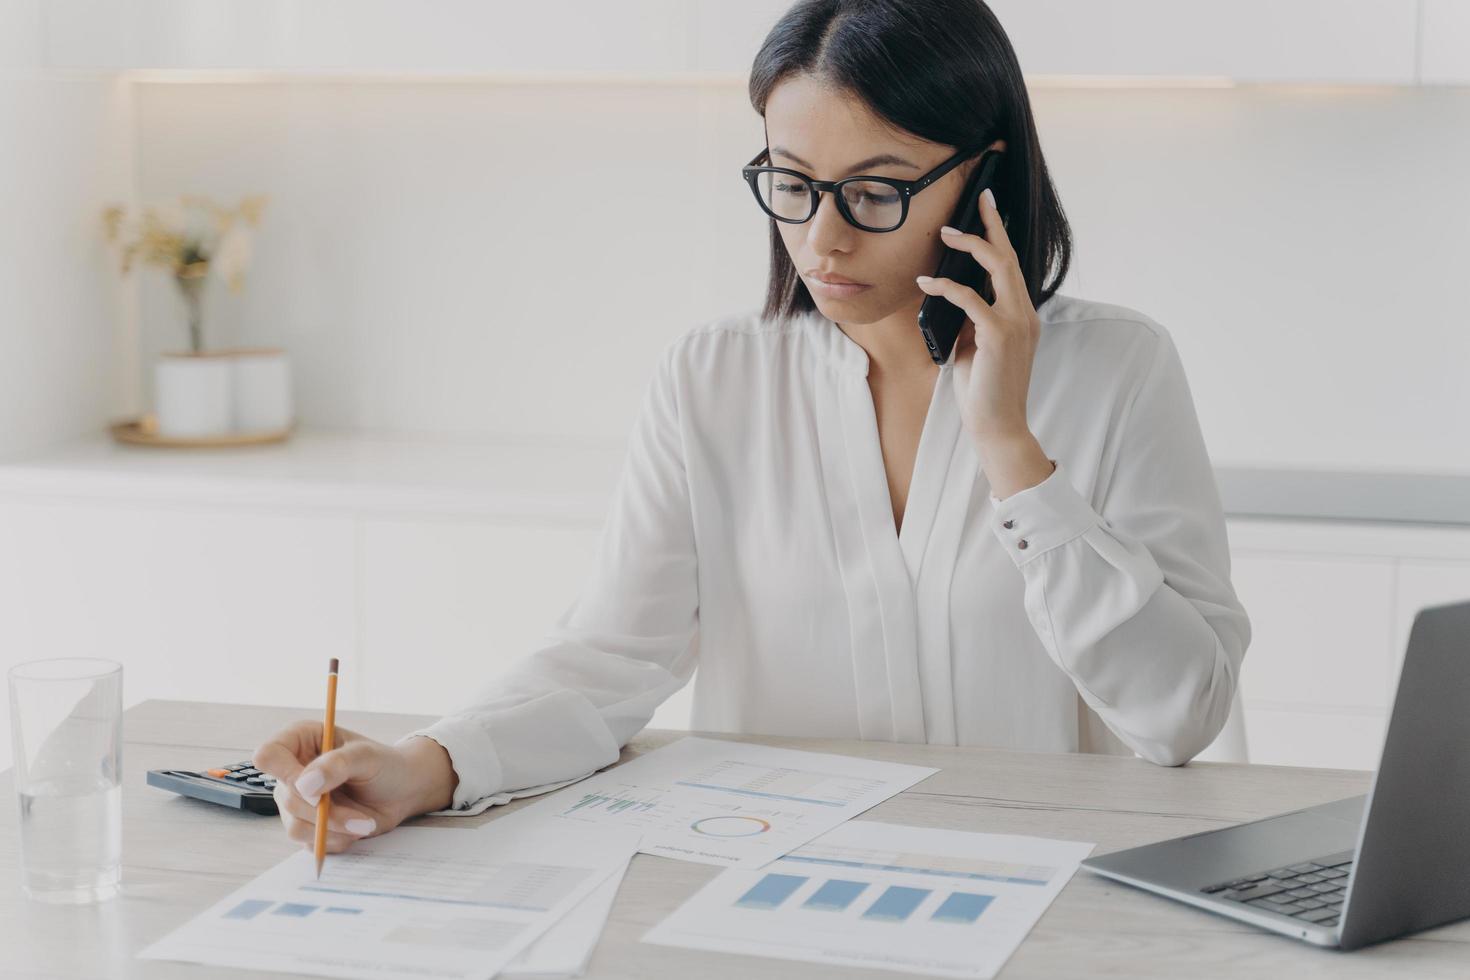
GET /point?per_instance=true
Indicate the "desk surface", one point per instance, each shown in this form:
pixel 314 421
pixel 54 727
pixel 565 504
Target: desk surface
pixel 181 855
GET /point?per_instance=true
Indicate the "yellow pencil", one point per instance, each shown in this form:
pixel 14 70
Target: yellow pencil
pixel 324 805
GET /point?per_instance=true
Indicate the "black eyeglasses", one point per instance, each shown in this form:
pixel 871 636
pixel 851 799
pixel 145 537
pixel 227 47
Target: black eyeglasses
pixel 869 203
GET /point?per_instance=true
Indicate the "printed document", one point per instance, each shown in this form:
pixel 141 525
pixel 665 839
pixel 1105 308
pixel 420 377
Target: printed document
pixel 728 803
pixel 564 949
pixel 415 903
pixel 945 902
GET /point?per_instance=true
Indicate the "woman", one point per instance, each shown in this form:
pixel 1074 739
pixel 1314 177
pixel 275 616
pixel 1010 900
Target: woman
pixel 1020 547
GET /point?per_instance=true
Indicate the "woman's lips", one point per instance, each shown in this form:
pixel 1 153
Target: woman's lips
pixel 835 290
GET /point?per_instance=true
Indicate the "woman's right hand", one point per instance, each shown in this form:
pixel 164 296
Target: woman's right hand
pixel 374 786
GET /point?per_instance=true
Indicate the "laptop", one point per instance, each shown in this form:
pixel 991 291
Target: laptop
pixel 1363 869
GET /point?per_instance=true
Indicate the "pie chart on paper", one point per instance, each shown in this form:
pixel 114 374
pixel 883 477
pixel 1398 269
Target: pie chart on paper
pixel 730 826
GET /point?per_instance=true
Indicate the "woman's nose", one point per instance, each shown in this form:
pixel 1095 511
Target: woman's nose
pixel 828 230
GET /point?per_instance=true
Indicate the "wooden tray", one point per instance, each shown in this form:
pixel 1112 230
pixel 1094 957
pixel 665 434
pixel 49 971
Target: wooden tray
pixel 143 432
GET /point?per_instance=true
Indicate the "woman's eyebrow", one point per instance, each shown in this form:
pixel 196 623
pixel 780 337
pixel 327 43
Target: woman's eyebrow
pixel 881 160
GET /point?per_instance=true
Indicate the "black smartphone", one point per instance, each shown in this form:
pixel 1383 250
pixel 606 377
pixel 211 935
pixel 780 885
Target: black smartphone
pixel 939 319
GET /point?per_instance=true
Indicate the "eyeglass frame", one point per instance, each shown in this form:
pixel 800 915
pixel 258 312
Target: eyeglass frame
pixel 906 188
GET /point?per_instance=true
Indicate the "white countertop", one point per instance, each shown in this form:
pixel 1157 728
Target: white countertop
pixel 336 470
pixel 572 480
pixel 1379 497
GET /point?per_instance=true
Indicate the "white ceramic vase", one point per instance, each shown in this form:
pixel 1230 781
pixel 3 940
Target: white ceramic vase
pixel 262 390
pixel 193 395
pixel 220 393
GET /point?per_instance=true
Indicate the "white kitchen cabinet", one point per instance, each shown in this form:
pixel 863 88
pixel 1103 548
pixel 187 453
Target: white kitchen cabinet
pixel 195 603
pixel 1313 687
pixel 1330 605
pixel 1444 31
pixel 447 605
pixel 428 566
pixel 725 36
pixel 1331 739
pixel 1324 41
pixel 447 37
pixel 1348 41
pixel 1321 630
pixel 1424 583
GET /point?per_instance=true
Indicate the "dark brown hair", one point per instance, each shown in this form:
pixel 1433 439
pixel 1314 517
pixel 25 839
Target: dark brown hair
pixel 943 70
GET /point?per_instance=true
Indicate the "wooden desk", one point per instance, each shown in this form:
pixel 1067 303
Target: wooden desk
pixel 181 855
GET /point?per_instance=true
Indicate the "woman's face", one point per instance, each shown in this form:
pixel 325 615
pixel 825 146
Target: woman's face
pixel 829 134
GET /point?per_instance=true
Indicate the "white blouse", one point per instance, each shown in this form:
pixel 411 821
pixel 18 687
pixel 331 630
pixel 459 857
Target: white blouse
pixel 751 535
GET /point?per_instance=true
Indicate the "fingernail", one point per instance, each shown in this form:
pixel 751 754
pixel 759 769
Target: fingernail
pixel 360 827
pixel 947 230
pixel 309 785
pixel 989 196
pixel 923 279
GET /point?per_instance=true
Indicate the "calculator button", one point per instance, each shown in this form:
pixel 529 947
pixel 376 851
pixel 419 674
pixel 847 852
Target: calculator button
pixel 255 781
pixel 251 772
pixel 236 776
pixel 217 773
pixel 238 766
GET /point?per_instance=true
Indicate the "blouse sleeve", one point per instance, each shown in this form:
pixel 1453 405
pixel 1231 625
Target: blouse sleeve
pixel 1134 601
pixel 627 642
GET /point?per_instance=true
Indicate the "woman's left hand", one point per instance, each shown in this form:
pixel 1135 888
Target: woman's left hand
pixel 993 354
pixel 992 387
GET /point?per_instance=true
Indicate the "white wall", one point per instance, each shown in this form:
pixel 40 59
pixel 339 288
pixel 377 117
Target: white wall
pixel 430 262
pixel 65 151
pixel 1306 247
pixel 470 258
pixel 456 258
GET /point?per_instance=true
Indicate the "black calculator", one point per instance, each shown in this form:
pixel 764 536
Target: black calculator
pixel 239 785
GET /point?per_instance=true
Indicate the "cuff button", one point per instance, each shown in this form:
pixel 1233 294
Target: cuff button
pixel 1008 525
pixel 1021 543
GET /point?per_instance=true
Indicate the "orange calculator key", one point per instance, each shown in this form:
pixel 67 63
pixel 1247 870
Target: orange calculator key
pixel 217 773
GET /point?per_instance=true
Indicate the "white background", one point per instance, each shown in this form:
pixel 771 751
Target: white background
pixel 477 259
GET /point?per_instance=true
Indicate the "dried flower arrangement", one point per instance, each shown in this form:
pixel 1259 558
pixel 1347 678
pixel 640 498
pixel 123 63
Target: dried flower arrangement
pixel 191 238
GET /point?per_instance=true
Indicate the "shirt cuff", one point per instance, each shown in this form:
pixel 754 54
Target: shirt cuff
pixel 1033 521
pixel 472 755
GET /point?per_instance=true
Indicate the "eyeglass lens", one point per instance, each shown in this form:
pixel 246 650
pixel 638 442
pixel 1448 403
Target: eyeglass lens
pixel 870 203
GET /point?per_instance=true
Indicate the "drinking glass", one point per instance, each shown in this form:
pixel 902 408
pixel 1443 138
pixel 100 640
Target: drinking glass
pixel 66 727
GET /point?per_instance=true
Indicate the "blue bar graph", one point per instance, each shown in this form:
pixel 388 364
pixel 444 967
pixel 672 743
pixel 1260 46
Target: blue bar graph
pixel 961 907
pixel 770 891
pixel 294 909
pixel 342 910
pixel 247 909
pixel 834 895
pixel 896 904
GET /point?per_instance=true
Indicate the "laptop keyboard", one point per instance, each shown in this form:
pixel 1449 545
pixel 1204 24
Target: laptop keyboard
pixel 1311 891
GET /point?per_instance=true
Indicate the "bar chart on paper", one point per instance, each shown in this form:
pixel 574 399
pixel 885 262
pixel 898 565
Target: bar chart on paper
pixel 941 901
pixel 893 903
pixel 950 903
pixel 718 802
